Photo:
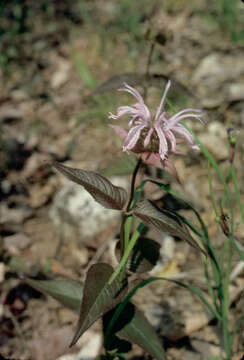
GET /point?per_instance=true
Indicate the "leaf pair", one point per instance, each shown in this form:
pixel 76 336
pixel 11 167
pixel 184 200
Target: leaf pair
pixel 114 197
pixel 100 299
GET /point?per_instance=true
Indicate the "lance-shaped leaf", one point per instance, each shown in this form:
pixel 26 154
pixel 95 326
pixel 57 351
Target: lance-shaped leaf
pixel 99 297
pixel 132 325
pixel 162 220
pixel 100 188
pixel 67 292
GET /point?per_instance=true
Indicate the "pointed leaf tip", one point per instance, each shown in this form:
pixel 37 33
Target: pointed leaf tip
pixel 100 188
pixel 99 297
pixel 162 220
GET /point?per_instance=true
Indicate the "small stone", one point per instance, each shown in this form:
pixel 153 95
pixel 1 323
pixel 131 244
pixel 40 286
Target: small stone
pixel 215 145
pixel 19 241
pixel 2 275
pixel 61 75
pixel 216 128
pixel 236 92
pixel 10 115
pixel 16 215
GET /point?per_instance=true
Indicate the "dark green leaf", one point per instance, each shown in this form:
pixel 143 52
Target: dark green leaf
pixel 99 297
pixel 67 292
pixel 162 220
pixel 133 326
pixel 143 257
pixel 100 188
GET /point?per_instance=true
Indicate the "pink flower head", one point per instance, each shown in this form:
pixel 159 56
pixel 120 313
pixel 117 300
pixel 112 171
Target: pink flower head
pixel 153 138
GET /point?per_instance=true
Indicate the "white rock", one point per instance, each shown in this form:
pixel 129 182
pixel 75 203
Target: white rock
pixel 236 92
pixel 91 344
pixel 209 67
pixel 61 75
pixel 215 145
pixel 213 78
pixel 216 128
pixel 216 69
pixel 75 209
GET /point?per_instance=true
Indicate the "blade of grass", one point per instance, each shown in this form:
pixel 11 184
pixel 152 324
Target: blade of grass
pixel 204 236
pixel 215 166
pixel 237 327
pixel 143 283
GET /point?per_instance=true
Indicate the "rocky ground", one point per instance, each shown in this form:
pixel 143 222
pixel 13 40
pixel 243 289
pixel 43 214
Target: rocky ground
pixel 48 110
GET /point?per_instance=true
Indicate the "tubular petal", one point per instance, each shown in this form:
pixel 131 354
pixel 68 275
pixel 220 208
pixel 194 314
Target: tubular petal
pixel 133 136
pixel 148 137
pixel 163 146
pixel 171 139
pixel 182 131
pixel 176 118
pixel 159 110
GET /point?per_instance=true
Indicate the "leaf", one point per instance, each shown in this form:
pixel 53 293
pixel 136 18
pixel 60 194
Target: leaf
pixel 133 326
pixel 143 257
pixel 67 292
pixel 99 297
pixel 100 188
pixel 122 165
pixel 135 79
pixel 162 220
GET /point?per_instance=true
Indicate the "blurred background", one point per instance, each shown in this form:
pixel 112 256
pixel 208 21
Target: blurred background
pixel 61 63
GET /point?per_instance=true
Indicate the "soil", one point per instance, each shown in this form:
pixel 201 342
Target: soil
pixel 55 96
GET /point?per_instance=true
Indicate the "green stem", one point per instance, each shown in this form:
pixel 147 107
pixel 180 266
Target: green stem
pixel 125 227
pixel 127 219
pixel 127 252
pixel 225 301
pixel 122 235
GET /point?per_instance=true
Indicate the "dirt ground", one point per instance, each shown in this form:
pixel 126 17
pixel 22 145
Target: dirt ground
pixel 49 109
